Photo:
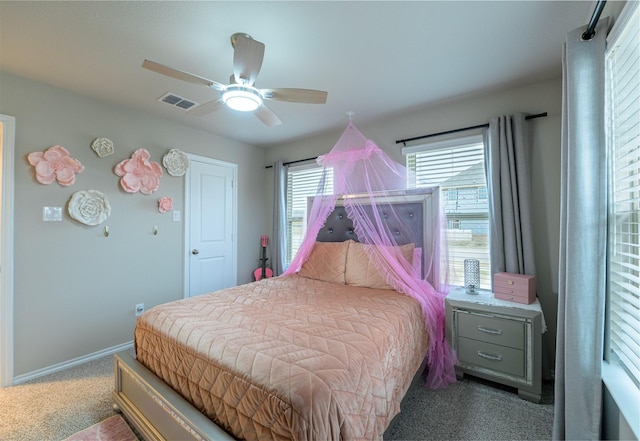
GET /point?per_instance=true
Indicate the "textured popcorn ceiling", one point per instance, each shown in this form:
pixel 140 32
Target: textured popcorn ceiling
pixel 375 58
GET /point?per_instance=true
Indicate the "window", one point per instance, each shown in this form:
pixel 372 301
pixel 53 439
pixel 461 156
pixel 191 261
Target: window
pixel 451 194
pixel 457 167
pixel 623 141
pixel 302 182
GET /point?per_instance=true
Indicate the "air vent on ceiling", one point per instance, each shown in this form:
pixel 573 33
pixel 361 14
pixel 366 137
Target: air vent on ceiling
pixel 177 101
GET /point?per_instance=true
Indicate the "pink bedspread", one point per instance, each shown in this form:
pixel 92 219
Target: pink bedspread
pixel 289 358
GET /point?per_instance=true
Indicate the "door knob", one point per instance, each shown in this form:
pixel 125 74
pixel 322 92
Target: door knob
pixel 194 252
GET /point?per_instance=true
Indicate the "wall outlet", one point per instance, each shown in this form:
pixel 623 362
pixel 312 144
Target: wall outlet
pixel 139 309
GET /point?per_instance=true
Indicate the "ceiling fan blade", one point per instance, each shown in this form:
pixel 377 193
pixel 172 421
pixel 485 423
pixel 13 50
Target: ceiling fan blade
pixel 267 116
pixel 295 95
pixel 180 75
pixel 247 58
pixel 205 108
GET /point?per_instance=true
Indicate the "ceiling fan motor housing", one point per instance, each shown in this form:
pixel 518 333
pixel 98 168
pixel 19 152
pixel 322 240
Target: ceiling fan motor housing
pixel 241 97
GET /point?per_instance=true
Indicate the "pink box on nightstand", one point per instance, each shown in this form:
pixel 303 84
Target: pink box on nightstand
pixel 520 288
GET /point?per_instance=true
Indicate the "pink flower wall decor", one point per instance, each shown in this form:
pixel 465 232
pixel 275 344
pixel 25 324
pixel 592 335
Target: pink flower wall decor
pixel 55 164
pixel 165 204
pixel 139 174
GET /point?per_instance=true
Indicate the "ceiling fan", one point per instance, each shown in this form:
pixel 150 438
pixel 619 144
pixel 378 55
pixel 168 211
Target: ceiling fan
pixel 241 94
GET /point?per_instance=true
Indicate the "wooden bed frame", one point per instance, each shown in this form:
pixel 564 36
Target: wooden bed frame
pixel 159 413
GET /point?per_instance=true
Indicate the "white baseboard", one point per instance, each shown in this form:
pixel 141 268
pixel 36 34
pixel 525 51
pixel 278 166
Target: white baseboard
pixel 71 363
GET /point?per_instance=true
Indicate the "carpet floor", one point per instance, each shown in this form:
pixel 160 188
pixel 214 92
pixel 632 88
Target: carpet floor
pixel 473 409
pixel 54 407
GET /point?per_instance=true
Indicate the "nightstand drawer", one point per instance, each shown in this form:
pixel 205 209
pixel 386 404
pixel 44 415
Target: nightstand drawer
pixel 494 330
pixel 494 357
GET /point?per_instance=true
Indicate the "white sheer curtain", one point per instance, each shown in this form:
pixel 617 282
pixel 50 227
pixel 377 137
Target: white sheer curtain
pixel 279 237
pixel 508 163
pixel 583 239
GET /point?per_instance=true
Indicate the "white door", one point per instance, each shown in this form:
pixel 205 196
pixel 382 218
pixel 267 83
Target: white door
pixel 211 219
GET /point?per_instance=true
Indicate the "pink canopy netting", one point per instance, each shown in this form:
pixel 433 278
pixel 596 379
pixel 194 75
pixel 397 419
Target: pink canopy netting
pixel 357 166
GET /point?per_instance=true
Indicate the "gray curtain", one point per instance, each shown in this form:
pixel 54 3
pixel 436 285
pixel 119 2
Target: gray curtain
pixel 507 164
pixel 583 239
pixel 279 237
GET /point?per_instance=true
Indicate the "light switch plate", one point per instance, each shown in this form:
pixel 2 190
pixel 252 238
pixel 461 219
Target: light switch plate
pixel 176 215
pixel 51 214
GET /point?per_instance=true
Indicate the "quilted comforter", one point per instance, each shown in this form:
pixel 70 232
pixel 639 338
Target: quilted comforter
pixel 288 358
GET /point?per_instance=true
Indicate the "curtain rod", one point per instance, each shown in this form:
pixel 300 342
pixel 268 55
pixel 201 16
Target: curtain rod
pixel 591 27
pixel 479 126
pixel 539 115
pixel 293 162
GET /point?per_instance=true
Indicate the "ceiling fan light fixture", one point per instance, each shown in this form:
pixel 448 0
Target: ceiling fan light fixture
pixel 242 98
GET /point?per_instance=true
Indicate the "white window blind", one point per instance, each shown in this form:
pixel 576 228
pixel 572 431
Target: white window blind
pixel 623 138
pixel 302 182
pixel 457 167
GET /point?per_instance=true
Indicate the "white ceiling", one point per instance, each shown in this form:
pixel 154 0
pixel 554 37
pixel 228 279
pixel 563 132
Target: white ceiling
pixel 374 58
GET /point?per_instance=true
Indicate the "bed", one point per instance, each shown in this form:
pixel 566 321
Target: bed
pixel 327 353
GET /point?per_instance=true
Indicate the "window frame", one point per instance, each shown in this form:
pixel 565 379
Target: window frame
pixel 469 191
pixel 292 247
pixel 623 389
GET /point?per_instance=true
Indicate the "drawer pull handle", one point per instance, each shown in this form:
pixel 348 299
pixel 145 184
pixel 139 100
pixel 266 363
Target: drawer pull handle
pixel 490 331
pixel 490 356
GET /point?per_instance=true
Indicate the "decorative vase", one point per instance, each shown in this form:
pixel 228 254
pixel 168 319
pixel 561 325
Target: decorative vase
pixel 472 275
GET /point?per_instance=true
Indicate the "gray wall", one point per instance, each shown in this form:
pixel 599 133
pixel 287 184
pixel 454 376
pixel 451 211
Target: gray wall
pixel 536 98
pixel 75 290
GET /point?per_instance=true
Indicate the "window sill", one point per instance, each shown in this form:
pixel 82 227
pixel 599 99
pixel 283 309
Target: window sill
pixel 624 392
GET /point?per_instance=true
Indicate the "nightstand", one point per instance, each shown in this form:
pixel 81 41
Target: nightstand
pixel 497 340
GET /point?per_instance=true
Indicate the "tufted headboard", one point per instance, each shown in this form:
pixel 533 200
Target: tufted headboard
pixel 415 220
pixel 408 228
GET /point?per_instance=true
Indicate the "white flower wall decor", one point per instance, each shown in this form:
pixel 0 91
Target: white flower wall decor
pixel 90 207
pixel 102 146
pixel 176 162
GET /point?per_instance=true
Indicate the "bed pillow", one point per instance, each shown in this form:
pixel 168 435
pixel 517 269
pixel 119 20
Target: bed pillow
pixel 326 262
pixel 360 270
